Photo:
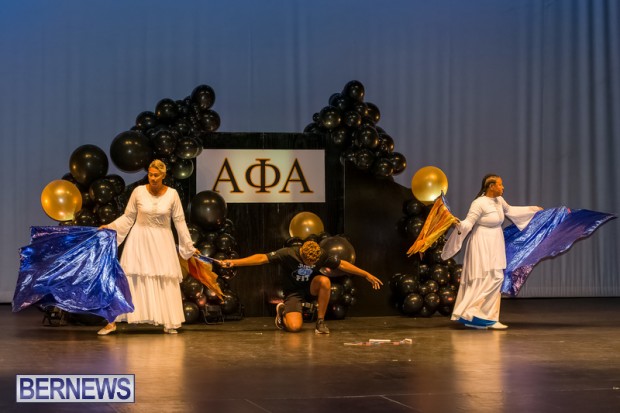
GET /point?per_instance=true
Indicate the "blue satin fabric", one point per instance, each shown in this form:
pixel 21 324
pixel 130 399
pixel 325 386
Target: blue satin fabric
pixel 75 269
pixel 549 233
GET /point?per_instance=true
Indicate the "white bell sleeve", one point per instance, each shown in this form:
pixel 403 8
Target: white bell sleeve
pixel 186 245
pixel 519 215
pixel 461 230
pixel 123 224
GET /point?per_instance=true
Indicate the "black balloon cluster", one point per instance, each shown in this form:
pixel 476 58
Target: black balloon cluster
pixel 172 133
pixel 343 290
pixel 432 284
pixel 100 192
pixel 351 124
pixel 212 234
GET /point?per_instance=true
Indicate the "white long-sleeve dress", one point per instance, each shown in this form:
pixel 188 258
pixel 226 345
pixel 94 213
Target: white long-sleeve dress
pixel 485 257
pixel 149 257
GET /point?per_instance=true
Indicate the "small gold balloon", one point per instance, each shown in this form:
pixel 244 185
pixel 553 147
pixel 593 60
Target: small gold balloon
pixel 304 224
pixel 428 183
pixel 61 199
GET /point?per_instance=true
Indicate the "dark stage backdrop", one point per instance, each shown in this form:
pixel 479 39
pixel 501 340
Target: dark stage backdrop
pixel 264 227
pixel 529 89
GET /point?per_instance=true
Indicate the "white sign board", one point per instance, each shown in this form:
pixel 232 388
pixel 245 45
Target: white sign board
pixel 262 175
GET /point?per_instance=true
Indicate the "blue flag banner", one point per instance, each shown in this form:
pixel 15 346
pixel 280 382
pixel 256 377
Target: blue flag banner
pixel 75 269
pixel 551 232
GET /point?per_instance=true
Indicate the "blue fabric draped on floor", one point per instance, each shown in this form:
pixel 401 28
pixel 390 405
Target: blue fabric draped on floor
pixel 75 269
pixel 550 233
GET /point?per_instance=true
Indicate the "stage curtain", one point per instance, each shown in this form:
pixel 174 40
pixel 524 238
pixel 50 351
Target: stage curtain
pixel 529 89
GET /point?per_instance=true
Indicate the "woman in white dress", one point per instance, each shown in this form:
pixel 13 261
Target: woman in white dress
pixel 478 300
pixel 149 258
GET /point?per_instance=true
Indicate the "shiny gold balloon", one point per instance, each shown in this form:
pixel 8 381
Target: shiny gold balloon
pixel 61 199
pixel 305 224
pixel 427 184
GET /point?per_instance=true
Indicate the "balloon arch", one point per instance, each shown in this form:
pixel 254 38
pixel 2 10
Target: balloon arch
pixel 176 132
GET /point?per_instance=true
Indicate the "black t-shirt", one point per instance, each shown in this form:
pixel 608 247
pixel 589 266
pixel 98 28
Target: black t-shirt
pixel 298 274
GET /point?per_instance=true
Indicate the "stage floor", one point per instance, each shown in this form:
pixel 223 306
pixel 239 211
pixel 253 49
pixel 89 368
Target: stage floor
pixel 559 355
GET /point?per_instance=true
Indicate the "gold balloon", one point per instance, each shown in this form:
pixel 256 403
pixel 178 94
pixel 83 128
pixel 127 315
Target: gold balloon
pixel 61 199
pixel 304 224
pixel 428 183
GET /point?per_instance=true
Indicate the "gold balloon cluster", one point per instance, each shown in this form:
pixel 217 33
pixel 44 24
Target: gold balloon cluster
pixel 428 183
pixel 61 199
pixel 305 224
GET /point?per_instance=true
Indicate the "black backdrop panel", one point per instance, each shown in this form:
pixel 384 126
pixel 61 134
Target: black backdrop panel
pixel 260 228
pixel 373 209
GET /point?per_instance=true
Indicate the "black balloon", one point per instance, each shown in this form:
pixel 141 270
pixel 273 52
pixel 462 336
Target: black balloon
pixel 212 297
pixel 413 226
pixel 340 136
pixel 187 148
pixel 329 117
pixel 386 143
pixel 352 119
pixel 118 183
pixel 354 90
pixel 455 274
pixel 208 210
pixel 364 159
pixel 191 287
pixel 342 103
pixel 225 243
pixel 338 311
pixel 195 232
pixel 399 162
pixel 413 207
pixel 407 284
pixel 191 312
pixel 87 201
pixel 373 112
pixel 87 163
pixel 340 247
pixel 439 273
pixel 164 142
pixel 336 293
pixel 203 97
pixel 412 304
pixel 367 137
pixel 448 297
pixel 432 301
pixel 382 168
pixel 348 156
pixel 86 218
pixel 313 128
pixel 166 110
pixel 107 213
pixel 210 120
pixel 146 120
pixel 347 284
pixel 394 282
pixel 426 311
pixel 207 248
pixel 101 191
pixel 183 127
pixel 230 304
pixel 131 151
pixel 183 169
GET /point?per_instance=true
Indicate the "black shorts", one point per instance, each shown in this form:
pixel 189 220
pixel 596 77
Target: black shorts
pixel 293 300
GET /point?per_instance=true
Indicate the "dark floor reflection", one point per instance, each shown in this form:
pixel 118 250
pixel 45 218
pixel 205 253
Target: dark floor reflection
pixel 558 356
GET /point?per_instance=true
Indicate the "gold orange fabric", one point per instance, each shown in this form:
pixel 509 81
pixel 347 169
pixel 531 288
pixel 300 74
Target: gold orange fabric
pixel 203 272
pixel 439 220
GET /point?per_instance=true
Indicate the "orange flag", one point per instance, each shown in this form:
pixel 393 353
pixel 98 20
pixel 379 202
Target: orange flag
pixel 439 220
pixel 203 272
